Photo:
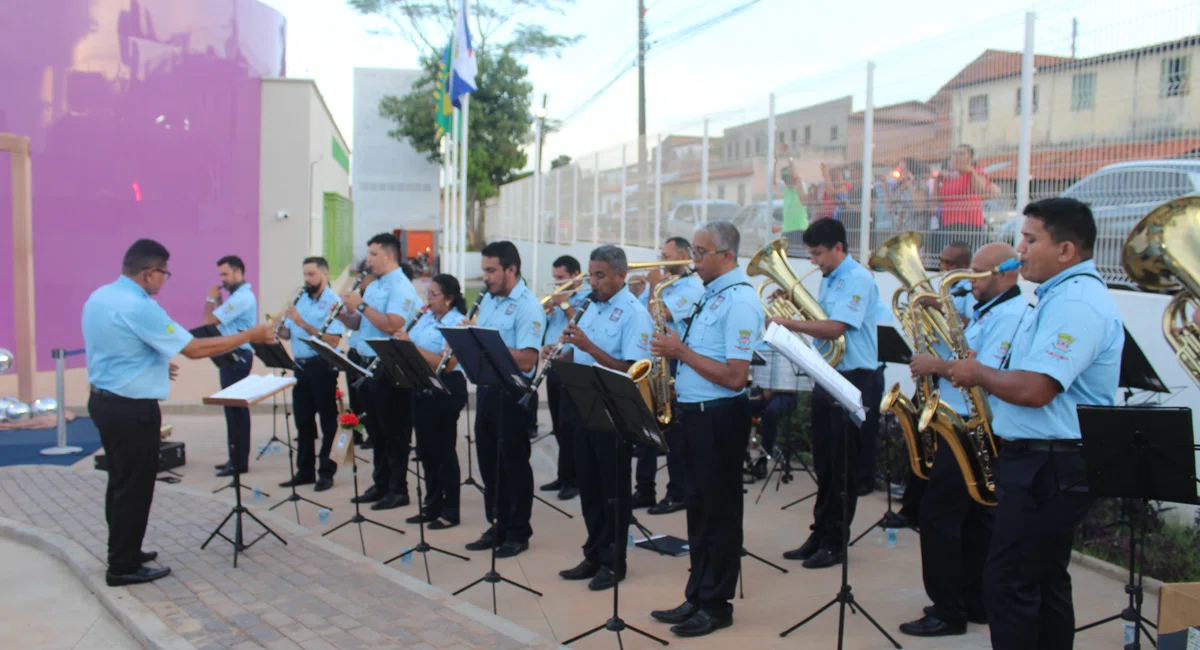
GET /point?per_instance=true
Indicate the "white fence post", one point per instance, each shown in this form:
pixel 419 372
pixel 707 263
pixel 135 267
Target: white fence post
pixel 1025 150
pixel 658 167
pixel 868 175
pixel 596 198
pixel 575 207
pixel 704 175
pixel 624 182
pixel 770 164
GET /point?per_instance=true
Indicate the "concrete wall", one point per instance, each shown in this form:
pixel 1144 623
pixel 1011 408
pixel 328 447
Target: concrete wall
pixel 144 122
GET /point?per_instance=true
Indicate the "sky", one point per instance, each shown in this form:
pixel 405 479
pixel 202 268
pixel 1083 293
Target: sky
pixel 802 52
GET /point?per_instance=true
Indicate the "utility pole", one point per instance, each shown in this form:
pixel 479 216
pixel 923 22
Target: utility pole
pixel 643 177
pixel 543 139
pixel 1074 35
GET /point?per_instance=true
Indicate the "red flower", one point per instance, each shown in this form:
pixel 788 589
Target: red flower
pixel 348 421
pixel 338 393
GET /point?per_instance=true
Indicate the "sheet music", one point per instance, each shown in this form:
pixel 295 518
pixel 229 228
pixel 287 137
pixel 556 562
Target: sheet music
pixel 794 348
pixel 255 388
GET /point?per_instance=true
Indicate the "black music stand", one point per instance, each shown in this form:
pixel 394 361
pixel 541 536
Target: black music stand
pixel 359 519
pixel 236 513
pixel 610 402
pixel 338 360
pixel 210 331
pixel 1137 454
pixel 486 361
pixel 1137 373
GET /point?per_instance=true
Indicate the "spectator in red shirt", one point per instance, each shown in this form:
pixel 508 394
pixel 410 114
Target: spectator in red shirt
pixel 961 198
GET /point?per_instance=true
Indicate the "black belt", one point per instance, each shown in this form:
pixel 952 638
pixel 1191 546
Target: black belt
pixel 1045 446
pixel 701 407
pixel 111 395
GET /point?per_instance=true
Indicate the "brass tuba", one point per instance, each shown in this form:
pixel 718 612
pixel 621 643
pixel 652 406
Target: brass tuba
pixel 796 303
pixel 1161 253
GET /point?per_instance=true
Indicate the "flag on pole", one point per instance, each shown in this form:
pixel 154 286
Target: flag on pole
pixel 445 111
pixel 464 69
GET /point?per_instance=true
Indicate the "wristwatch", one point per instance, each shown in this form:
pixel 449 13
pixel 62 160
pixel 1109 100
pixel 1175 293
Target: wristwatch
pixel 361 308
pixel 210 300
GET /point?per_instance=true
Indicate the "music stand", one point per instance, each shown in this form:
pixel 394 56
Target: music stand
pixel 610 402
pixel 358 518
pixel 1135 453
pixel 1137 373
pixel 338 360
pixel 244 394
pixel 486 361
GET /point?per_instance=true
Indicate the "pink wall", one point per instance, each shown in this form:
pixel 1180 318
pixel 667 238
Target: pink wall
pixel 144 121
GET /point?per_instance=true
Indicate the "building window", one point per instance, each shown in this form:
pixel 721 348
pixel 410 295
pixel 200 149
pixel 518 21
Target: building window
pixel 977 108
pixel 1174 77
pixel 807 134
pixel 741 194
pixel 1035 100
pixel 793 136
pixel 781 137
pixel 747 148
pixel 1083 91
pixel 721 192
pixel 833 134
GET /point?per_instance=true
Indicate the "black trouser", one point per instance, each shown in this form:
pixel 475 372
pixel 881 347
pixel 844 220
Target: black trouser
pixel 955 532
pixel 564 432
pixel 835 440
pixel 713 443
pixel 360 399
pixel 676 474
pixel 869 436
pixel 914 493
pixel 393 433
pixel 237 419
pixel 129 432
pixel 314 398
pixel 502 435
pixel 435 419
pixel 1026 587
pixel 603 462
pixel 647 469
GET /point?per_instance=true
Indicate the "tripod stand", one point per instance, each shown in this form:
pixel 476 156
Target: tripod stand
pixel 292 498
pixel 1133 612
pixel 784 457
pixel 422 546
pixel 275 428
pixel 470 480
pixel 238 511
pixel 358 518
pixel 742 574
pixel 889 516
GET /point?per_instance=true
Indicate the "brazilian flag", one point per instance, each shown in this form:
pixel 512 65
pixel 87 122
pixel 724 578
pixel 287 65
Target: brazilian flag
pixel 445 110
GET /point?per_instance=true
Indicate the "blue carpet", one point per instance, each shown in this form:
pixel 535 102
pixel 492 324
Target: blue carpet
pixel 24 447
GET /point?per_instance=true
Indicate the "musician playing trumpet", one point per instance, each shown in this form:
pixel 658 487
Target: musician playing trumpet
pixel 564 268
pixel 956 530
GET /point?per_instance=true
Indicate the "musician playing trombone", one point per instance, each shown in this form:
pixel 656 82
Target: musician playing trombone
pixel 849 296
pixel 955 530
pixel 315 394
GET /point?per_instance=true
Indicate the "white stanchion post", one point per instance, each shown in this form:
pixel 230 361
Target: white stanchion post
pixel 60 376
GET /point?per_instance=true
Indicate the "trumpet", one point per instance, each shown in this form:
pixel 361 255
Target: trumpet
pixel 445 361
pixel 567 287
pixel 554 352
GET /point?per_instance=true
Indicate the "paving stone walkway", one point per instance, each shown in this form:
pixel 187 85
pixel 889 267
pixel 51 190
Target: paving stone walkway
pixel 309 594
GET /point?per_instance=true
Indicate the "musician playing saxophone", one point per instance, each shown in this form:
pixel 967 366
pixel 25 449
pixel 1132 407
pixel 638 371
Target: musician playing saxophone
pixel 1066 352
pixel 613 332
pixel 850 297
pixel 955 530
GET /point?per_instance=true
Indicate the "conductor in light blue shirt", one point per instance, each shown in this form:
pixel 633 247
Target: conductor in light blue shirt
pixel 130 341
pixel 234 314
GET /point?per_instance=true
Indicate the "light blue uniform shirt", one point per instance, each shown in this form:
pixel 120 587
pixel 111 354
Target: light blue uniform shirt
pixel 238 313
pixel 681 298
pixel 391 294
pixel 556 322
pixel 313 312
pixel 726 324
pixel 621 327
pixel 849 295
pixel 1074 336
pixel 130 341
pixel 990 334
pixel 426 335
pixel 518 317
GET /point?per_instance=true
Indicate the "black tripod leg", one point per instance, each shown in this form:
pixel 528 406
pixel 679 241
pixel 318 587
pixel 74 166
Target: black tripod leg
pixel 643 633
pixel 859 609
pixel 875 525
pixel 555 508
pixel 518 585
pixel 586 634
pixel 810 617
pixel 217 530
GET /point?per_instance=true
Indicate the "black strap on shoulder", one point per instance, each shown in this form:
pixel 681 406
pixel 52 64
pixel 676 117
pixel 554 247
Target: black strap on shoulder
pixel 700 307
pixel 1012 339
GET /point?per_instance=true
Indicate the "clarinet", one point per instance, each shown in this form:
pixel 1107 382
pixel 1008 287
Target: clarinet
pixel 441 367
pixel 341 306
pixel 280 320
pixel 554 352
pixel 424 310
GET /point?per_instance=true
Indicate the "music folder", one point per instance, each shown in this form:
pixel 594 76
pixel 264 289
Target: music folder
pixel 404 364
pixel 274 355
pixel 210 331
pixel 793 347
pixel 485 358
pixel 249 391
pixel 337 359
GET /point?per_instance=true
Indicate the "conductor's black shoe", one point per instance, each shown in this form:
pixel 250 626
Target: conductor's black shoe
pixel 421 519
pixel 584 570
pixel 978 619
pixel 643 500
pixel 323 484
pixel 567 493
pixel 485 542
pixel 373 494
pixel 511 549
pixel 147 556
pixel 677 615
pixel 701 624
pixel 823 559
pixel 552 486
pixel 298 481
pixel 894 520
pixel 228 471
pixel 221 466
pixel 392 500
pixel 605 578
pixel 142 575
pixel 666 507
pixel 806 550
pixel 933 626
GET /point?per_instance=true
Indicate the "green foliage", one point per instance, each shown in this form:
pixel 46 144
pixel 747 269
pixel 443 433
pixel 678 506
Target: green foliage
pixel 1168 551
pixel 561 161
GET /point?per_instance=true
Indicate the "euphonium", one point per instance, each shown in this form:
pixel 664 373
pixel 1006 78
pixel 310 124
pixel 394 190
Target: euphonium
pixel 1161 253
pixel 901 256
pixel 797 303
pixel 662 385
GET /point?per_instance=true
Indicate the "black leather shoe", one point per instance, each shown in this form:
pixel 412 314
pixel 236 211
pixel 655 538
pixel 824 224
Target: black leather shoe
pixel 392 500
pixel 323 484
pixel 582 571
pixel 933 626
pixel 568 493
pixel 511 549
pixel 978 619
pixel 894 520
pixel 485 542
pixel 442 524
pixel 677 615
pixel 605 578
pixel 421 518
pixel 221 466
pixel 373 494
pixel 147 556
pixel 806 550
pixel 228 471
pixel 666 507
pixel 298 481
pixel 822 559
pixel 701 624
pixel 552 486
pixel 643 500
pixel 142 575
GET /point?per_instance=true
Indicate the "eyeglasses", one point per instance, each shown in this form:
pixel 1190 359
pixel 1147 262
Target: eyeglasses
pixel 700 253
pixel 433 294
pixel 166 273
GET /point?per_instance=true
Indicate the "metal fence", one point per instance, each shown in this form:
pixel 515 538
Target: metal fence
pixel 931 138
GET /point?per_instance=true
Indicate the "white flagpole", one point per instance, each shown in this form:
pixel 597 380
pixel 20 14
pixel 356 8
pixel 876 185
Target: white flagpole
pixel 452 196
pixel 444 255
pixel 461 239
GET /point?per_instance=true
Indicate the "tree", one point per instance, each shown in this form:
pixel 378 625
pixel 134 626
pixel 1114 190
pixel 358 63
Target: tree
pixel 500 121
pixel 561 161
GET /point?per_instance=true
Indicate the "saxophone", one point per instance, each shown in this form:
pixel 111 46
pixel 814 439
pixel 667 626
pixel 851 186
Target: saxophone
pixel 911 414
pixel 662 385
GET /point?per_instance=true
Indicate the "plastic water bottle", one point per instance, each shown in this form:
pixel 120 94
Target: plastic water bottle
pixel 323 517
pixel 407 559
pixel 629 540
pixel 891 537
pixel 262 449
pixel 258 495
pixel 1130 630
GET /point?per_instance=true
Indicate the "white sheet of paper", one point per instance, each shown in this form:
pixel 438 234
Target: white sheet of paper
pixel 255 388
pixel 798 352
